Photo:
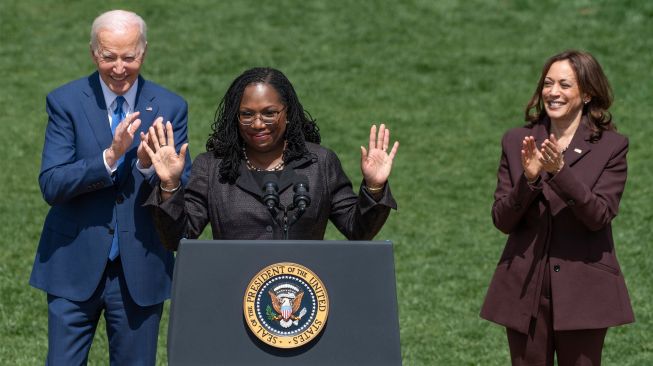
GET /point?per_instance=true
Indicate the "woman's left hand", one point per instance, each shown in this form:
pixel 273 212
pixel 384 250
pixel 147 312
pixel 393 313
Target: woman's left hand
pixel 159 143
pixel 376 162
pixel 551 155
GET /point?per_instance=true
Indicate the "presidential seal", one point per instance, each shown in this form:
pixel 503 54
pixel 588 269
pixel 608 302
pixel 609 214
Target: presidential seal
pixel 286 305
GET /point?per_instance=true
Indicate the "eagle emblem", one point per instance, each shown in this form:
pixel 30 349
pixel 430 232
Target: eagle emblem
pixel 286 305
pixel 286 300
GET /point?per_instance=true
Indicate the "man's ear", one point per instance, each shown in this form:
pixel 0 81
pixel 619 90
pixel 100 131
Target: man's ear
pixel 90 48
pixel 144 53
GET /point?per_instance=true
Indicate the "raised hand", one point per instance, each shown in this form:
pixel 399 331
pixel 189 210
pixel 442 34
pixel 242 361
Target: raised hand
pixel 122 138
pixel 530 158
pixel 376 162
pixel 141 153
pixel 159 143
pixel 551 156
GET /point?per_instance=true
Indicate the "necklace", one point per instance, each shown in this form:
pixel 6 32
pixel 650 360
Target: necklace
pixel 251 166
pixel 558 135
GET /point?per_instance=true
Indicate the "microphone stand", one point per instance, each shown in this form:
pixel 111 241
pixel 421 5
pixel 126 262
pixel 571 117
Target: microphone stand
pixel 288 223
pixel 272 200
pixel 285 222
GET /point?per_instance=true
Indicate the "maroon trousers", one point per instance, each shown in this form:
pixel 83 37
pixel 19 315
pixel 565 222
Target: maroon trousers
pixel 572 347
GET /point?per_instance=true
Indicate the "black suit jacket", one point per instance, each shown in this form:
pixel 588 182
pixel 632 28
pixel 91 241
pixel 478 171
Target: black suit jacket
pixel 235 211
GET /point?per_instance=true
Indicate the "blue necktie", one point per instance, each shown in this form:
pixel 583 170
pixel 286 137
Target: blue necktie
pixel 117 116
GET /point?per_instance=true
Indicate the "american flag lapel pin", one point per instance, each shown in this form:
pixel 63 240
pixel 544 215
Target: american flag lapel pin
pixel 578 151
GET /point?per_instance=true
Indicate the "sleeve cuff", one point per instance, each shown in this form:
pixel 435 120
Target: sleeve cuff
pixel 368 202
pixel 147 172
pixel 109 169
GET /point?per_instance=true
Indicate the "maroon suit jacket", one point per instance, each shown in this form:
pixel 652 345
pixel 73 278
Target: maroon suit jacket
pixel 565 218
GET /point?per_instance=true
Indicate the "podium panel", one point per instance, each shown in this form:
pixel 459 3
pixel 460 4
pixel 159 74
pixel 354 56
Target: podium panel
pixel 207 325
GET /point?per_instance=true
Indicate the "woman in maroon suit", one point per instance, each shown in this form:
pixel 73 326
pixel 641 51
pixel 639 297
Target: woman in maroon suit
pixel 558 285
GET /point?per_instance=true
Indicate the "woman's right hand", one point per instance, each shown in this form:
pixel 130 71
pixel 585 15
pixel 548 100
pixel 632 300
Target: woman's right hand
pixel 530 158
pixel 159 143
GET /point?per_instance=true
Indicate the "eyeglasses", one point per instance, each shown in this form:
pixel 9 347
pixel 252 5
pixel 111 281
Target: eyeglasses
pixel 268 117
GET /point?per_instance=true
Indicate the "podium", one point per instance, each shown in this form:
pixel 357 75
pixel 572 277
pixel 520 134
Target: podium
pixel 208 327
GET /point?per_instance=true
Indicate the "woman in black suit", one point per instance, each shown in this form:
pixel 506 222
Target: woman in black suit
pixel 262 134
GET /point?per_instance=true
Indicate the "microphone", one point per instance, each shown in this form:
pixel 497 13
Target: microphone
pixel 270 191
pixel 301 199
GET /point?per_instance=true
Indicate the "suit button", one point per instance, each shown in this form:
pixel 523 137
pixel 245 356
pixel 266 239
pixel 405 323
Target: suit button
pixel 111 231
pixel 120 199
pixel 556 268
pixel 268 229
pixel 571 203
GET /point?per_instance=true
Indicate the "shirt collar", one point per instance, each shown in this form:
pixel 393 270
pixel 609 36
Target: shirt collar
pixel 110 97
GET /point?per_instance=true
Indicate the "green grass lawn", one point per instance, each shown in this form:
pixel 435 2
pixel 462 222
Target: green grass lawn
pixel 449 77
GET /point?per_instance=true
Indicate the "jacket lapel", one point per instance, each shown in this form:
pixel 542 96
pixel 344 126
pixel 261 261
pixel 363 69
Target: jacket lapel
pixel 579 145
pixel 146 104
pixel 247 182
pixel 288 177
pixel 577 149
pixel 96 111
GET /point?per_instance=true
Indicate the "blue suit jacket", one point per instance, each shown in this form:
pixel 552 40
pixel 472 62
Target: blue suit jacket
pixel 87 202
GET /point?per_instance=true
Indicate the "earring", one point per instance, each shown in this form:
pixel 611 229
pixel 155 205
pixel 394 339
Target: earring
pixel 287 122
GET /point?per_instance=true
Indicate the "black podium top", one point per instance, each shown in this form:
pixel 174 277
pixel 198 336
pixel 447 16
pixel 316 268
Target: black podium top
pixel 207 326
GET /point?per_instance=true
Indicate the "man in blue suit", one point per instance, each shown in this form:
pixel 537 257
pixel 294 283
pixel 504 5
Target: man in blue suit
pixel 99 251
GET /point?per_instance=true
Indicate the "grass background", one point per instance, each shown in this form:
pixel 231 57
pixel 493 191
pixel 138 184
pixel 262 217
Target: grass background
pixel 449 77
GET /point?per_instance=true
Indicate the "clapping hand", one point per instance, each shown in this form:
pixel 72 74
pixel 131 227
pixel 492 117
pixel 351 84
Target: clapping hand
pixel 122 138
pixel 548 158
pixel 531 158
pixel 551 156
pixel 376 162
pixel 159 143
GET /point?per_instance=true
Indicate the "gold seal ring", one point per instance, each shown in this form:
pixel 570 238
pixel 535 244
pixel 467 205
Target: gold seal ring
pixel 286 305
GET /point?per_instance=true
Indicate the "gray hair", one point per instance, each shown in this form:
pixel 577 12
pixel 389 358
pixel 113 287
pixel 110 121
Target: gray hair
pixel 118 20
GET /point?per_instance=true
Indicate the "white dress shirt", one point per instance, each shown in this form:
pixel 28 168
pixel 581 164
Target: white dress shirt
pixel 128 108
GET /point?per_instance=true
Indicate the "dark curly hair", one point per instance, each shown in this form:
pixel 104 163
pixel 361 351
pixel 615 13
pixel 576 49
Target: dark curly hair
pixel 226 142
pixel 591 82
